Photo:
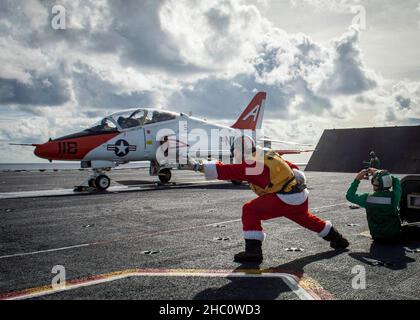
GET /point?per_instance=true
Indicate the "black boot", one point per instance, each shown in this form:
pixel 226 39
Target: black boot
pixel 337 241
pixel 252 253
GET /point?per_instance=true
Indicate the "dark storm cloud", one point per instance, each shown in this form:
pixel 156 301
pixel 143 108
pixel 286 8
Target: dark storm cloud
pixel 131 35
pixel 349 75
pixel 131 30
pixel 365 100
pixel 212 98
pixel 312 104
pixel 92 91
pixel 391 118
pixel 267 61
pixel 309 53
pixel 404 103
pixel 49 90
pixel 412 121
pixel 218 19
pixel 226 98
pixel 136 34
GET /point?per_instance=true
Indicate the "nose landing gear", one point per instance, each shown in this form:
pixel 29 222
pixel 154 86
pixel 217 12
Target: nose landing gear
pixel 98 181
pixel 102 182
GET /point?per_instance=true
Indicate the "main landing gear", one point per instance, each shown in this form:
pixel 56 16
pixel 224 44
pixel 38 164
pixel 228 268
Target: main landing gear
pixel 98 181
pixel 237 182
pixel 165 175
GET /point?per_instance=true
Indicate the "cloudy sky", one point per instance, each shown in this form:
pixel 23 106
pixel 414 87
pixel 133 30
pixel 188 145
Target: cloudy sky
pixel 324 64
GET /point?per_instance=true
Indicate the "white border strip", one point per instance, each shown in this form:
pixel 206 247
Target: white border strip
pixel 288 279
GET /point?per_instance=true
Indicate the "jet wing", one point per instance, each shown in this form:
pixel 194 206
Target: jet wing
pixel 284 142
pixel 281 152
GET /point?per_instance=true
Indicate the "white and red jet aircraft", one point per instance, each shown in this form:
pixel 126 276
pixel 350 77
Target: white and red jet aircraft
pixel 144 134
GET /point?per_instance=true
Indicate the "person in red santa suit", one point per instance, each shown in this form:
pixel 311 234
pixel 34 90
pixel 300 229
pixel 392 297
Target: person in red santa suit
pixel 281 190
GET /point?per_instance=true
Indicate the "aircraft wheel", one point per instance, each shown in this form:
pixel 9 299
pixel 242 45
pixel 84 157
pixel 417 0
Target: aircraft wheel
pixel 165 175
pixel 92 183
pixel 236 182
pixel 102 182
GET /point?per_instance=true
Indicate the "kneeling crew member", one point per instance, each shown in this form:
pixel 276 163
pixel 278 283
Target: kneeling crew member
pixel 281 192
pixel 382 206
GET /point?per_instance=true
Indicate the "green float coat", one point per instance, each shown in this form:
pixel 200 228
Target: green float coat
pixel 381 207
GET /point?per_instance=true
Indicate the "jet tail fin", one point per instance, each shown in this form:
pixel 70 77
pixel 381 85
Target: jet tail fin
pixel 251 118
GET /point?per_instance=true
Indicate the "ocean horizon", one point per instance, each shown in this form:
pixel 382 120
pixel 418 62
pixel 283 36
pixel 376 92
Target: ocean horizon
pixel 55 166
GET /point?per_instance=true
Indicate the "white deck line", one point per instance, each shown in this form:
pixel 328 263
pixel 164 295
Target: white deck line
pixel 114 240
pixel 124 238
pixel 70 192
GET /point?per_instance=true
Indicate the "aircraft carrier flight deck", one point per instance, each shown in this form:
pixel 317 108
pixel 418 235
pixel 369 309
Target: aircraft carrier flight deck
pixel 142 240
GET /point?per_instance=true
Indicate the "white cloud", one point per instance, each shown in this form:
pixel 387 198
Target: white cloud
pixel 340 6
pixel 349 75
pixel 216 34
pixel 402 104
pixel 418 9
pixel 20 60
pixel 205 57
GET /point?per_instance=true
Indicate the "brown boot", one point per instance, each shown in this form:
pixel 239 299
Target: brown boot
pixel 252 253
pixel 337 241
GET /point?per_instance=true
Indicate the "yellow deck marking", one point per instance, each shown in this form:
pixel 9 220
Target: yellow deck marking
pixel 305 288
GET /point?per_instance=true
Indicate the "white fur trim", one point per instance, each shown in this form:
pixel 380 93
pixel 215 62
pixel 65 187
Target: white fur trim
pixel 326 229
pixel 294 199
pixel 300 176
pixel 254 235
pixel 210 170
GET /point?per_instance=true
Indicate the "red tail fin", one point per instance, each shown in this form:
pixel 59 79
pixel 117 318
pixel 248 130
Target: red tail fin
pixel 251 118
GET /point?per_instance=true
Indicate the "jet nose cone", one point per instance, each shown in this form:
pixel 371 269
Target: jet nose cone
pixel 38 151
pixel 43 151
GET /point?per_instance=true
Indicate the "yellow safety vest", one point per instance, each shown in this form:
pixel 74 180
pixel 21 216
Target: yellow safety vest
pixel 281 175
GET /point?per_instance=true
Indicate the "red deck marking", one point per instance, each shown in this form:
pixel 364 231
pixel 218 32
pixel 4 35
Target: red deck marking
pixel 304 287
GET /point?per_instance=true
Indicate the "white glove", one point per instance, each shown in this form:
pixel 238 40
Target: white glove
pixel 194 165
pixel 197 165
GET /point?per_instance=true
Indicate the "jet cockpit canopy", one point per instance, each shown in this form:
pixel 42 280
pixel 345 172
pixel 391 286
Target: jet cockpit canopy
pixel 139 117
pixel 132 118
pixel 105 125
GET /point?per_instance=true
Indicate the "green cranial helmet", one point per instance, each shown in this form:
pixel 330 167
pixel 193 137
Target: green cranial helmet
pixel 382 179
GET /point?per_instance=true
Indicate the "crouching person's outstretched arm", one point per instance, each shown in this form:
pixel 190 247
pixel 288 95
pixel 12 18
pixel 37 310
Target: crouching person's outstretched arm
pixel 221 171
